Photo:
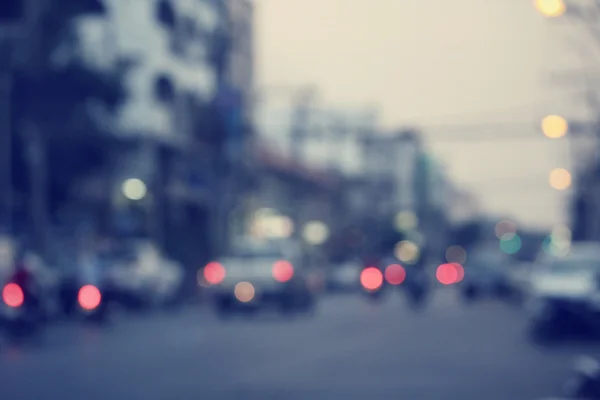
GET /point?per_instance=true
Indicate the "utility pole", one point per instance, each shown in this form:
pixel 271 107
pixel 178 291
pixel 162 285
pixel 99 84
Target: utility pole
pixel 300 117
pixel 37 160
pixel 36 144
pixel 6 184
pixel 11 29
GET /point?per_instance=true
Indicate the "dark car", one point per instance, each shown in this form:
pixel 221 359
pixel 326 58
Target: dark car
pixel 258 279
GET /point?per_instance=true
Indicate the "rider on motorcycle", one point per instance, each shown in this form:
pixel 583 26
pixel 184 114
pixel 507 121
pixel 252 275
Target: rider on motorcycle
pixel 25 277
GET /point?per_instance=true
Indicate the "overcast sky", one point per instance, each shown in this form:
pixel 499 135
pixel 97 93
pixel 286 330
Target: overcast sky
pixel 437 63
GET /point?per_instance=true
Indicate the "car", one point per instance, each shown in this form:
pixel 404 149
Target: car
pixel 563 294
pixel 345 278
pixel 258 278
pixel 518 278
pixel 486 274
pixel 142 277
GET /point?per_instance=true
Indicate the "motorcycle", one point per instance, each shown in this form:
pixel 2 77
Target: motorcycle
pixel 417 291
pixel 372 283
pixel 85 301
pixel 21 314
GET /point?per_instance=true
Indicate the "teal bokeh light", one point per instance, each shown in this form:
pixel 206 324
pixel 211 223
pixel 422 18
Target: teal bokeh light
pixel 510 243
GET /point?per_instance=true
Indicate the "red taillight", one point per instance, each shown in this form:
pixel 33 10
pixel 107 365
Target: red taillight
pixel 395 274
pixel 447 274
pixel 214 273
pixel 371 278
pixel 13 295
pixel 460 272
pixel 89 297
pixel 283 271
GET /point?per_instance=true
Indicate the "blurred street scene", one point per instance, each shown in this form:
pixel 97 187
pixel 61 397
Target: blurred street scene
pixel 212 198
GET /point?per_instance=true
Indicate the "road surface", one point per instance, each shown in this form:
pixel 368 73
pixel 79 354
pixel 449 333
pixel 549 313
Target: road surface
pixel 350 349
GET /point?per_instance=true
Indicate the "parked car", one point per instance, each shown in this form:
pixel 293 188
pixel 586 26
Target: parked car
pixel 142 277
pixel 486 273
pixel 564 295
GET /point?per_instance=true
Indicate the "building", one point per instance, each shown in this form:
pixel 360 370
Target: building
pixel 403 177
pixel 241 68
pixel 167 137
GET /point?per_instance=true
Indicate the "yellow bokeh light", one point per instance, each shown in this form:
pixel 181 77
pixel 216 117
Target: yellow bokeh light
pixel 554 126
pixel 551 8
pixel 560 179
pixel 244 292
pixel 407 252
pixel 405 221
pixel 134 189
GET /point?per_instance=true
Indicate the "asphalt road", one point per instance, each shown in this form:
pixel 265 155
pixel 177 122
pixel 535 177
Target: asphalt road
pixel 350 349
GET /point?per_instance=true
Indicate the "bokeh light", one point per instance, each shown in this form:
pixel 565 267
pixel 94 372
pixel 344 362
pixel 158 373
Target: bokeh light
pixel 405 221
pixel 214 273
pixel 407 252
pixel 460 272
pixel 560 179
pixel 551 8
pixel 244 292
pixel 315 232
pixel 283 271
pixel 371 278
pixel 134 189
pixel 13 295
pixel 89 297
pixel 558 243
pixel 446 274
pixel 505 227
pixel 456 254
pixel 510 243
pixel 395 274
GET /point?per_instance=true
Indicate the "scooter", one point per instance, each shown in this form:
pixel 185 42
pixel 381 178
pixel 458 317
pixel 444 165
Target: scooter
pixel 87 302
pixel 417 292
pixel 372 283
pixel 21 314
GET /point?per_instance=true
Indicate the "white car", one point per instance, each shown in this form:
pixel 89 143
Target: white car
pixel 144 277
pixel 564 293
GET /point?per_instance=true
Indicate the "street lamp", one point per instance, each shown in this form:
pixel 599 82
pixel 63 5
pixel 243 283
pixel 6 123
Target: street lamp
pixel 315 232
pixel 134 189
pixel 560 179
pixel 551 8
pixel 554 126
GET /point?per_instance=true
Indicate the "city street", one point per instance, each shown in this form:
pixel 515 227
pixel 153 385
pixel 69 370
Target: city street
pixel 351 349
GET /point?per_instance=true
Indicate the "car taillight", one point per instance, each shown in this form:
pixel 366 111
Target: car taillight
pixel 395 274
pixel 283 271
pixel 13 295
pixel 214 273
pixel 89 297
pixel 371 278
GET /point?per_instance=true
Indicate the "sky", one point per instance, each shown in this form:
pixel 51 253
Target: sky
pixel 444 66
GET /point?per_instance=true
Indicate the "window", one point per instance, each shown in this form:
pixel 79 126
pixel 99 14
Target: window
pixel 165 14
pixel 11 10
pixel 164 89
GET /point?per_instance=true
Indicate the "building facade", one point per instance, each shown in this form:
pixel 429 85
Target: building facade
pixel 165 134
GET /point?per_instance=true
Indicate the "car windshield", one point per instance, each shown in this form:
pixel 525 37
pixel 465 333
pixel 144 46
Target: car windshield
pixel 570 266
